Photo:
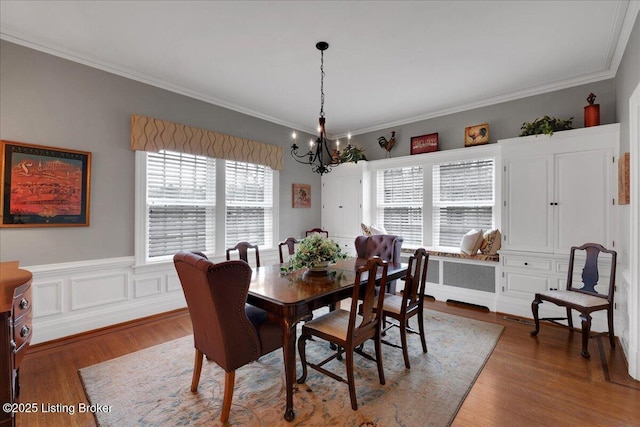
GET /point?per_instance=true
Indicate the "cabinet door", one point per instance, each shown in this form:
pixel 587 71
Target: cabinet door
pixel 527 214
pixel 341 205
pixel 582 194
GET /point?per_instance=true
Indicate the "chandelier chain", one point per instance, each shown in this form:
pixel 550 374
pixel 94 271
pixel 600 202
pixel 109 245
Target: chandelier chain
pixel 321 83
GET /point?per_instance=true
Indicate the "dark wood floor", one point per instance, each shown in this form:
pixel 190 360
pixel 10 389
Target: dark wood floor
pixel 526 382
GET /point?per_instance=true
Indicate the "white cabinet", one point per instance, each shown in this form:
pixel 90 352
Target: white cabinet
pixel 342 201
pixel 558 192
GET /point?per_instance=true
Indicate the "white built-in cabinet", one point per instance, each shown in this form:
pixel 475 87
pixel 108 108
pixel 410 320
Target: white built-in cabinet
pixel 342 203
pixel 558 191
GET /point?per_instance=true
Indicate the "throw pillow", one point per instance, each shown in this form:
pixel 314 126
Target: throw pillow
pixel 365 229
pixel 491 242
pixel 471 242
pixel 378 229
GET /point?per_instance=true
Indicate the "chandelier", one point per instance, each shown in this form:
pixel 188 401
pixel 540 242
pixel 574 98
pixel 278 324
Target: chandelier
pixel 320 157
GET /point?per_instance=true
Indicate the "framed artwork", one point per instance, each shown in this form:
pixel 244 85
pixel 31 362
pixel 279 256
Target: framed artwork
pixel 424 143
pixel 476 135
pixel 44 186
pixel 624 193
pixel 301 195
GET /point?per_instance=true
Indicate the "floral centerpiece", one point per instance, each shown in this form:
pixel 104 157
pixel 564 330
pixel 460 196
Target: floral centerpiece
pixel 316 251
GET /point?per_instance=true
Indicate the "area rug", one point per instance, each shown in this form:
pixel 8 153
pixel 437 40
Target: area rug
pixel 151 387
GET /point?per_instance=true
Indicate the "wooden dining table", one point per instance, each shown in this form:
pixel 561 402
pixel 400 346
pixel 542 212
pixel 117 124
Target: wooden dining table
pixel 293 297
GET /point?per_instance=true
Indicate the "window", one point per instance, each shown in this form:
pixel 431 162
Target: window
pixel 463 198
pixel 399 203
pixel 180 203
pixel 180 206
pixel 249 200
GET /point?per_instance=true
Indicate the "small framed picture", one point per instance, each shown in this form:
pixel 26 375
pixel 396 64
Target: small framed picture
pixel 301 195
pixel 424 143
pixel 476 135
pixel 44 186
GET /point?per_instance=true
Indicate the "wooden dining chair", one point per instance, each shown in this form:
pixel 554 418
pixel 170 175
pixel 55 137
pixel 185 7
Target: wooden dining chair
pixel 316 230
pixel 348 330
pixel 243 249
pixel 409 304
pixel 585 299
pixel 290 244
pixel 226 329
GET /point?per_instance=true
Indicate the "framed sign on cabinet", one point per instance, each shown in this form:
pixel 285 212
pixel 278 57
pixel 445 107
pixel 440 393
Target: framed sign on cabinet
pixel 44 186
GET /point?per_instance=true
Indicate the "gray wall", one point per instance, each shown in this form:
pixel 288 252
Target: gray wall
pixel 504 119
pixel 627 80
pixel 51 101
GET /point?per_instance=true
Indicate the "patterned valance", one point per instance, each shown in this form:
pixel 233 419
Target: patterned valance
pixel 149 134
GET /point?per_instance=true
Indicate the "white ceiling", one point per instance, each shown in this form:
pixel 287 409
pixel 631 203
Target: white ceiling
pixel 388 62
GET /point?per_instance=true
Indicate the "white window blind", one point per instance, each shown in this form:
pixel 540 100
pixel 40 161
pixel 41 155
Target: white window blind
pixel 249 204
pixel 180 203
pixel 400 201
pixel 463 198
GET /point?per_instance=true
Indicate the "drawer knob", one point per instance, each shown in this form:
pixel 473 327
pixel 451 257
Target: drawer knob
pixel 24 303
pixel 24 331
pixel 526 263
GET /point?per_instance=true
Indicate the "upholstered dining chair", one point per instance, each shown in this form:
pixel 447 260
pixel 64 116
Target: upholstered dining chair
pixel 348 330
pixel 585 299
pixel 243 250
pixel 385 246
pixel 226 329
pixel 316 230
pixel 409 304
pixel 290 245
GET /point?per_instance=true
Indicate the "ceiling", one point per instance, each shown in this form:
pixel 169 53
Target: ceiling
pixel 388 63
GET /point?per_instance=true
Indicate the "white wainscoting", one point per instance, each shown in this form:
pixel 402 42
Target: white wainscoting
pixel 76 297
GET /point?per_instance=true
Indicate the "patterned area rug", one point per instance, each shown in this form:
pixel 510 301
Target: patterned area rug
pixel 151 387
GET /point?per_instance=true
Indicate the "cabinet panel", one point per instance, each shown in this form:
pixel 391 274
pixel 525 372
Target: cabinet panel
pixel 342 200
pixel 528 263
pixel 525 285
pixel 527 219
pixel 582 194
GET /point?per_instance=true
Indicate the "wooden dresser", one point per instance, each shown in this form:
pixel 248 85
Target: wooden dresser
pixel 15 331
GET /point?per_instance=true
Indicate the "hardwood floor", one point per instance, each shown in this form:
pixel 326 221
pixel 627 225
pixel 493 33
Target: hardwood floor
pixel 527 381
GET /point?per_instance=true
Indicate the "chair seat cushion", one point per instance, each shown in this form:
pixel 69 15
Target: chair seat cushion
pixel 334 323
pixel 269 332
pixel 576 298
pixel 392 303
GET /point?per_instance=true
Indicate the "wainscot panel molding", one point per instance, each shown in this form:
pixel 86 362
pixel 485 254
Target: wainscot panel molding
pixel 77 297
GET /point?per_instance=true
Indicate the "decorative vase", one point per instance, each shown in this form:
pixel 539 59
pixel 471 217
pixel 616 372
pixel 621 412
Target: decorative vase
pixel 319 269
pixel 591 112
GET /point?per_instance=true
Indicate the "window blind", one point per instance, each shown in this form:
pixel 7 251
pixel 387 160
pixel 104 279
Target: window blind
pixel 463 198
pixel 399 202
pixel 249 204
pixel 180 203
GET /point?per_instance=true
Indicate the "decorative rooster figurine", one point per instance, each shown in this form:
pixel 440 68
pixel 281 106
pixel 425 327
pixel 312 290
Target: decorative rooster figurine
pixel 387 144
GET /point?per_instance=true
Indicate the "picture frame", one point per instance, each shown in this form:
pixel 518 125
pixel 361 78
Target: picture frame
pixel 624 193
pixel 424 143
pixel 301 195
pixel 44 186
pixel 476 135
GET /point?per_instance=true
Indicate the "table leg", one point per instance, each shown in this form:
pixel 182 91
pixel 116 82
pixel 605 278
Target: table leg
pixel 289 352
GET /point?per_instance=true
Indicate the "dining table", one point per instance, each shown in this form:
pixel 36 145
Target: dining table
pixel 292 296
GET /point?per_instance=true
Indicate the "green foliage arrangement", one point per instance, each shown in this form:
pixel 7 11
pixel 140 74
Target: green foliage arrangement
pixel 315 249
pixel 352 153
pixel 546 125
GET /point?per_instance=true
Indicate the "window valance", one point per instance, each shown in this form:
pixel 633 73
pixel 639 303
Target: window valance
pixel 149 134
